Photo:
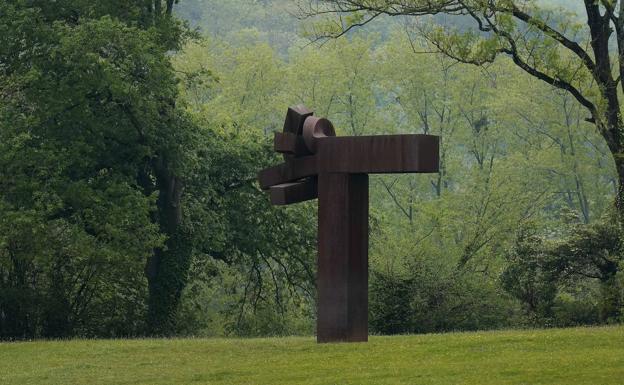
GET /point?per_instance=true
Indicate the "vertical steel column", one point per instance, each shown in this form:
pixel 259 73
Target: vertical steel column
pixel 342 278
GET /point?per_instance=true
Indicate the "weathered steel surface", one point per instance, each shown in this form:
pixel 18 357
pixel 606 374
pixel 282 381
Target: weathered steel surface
pixel 300 191
pixel 295 117
pixel 342 277
pixel 288 143
pixel 315 129
pixel 290 171
pixel 359 154
pixel 378 154
pixel 335 169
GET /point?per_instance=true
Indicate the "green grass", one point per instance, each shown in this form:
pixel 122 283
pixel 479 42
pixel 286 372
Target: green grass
pixel 557 356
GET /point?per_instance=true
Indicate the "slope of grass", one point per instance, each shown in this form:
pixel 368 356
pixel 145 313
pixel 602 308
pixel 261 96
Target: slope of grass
pixel 558 356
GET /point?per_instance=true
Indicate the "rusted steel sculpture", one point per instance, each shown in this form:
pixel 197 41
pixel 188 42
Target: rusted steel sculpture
pixel 335 170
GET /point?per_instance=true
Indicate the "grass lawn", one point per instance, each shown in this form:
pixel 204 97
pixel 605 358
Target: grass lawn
pixel 557 356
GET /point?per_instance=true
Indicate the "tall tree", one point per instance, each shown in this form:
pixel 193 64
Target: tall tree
pixel 89 87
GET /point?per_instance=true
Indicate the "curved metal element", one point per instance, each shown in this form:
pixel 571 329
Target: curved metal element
pixel 315 128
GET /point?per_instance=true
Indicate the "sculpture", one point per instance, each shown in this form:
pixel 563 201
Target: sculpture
pixel 335 169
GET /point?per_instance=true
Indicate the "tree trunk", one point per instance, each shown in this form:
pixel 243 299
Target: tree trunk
pixel 167 269
pixel 619 197
pixel 610 124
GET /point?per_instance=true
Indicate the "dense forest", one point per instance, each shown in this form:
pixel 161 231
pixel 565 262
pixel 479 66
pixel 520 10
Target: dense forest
pixel 131 133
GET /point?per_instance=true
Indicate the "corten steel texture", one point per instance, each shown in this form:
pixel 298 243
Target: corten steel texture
pixel 295 116
pixel 287 193
pixel 292 170
pixel 378 154
pixel 315 129
pixel 359 154
pixel 288 143
pixel 342 277
pixel 335 169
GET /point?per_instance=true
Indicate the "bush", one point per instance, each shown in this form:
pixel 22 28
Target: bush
pixel 575 279
pixel 430 297
pixel 220 300
pixel 572 311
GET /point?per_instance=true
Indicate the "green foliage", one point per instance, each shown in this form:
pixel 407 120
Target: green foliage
pixel 618 292
pixel 593 252
pixel 573 280
pixel 76 229
pixel 89 128
pixel 212 303
pixel 389 305
pixel 272 21
pixel 431 298
pixel 527 278
pixel 253 269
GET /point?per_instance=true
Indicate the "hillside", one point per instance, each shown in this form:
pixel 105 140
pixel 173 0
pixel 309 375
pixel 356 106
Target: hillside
pixel 556 356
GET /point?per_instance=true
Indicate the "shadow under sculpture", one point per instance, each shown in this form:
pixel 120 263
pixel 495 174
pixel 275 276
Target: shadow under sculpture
pixel 335 170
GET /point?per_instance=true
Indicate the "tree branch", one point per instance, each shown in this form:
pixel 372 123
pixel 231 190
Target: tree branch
pixel 573 46
pixel 559 83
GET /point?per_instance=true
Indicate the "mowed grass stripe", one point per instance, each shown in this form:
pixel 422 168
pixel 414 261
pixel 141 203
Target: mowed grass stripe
pixel 553 356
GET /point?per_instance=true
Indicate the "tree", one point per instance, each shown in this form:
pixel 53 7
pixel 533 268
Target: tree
pixel 544 273
pixel 266 253
pixel 546 43
pixel 527 279
pixel 592 252
pixel 95 156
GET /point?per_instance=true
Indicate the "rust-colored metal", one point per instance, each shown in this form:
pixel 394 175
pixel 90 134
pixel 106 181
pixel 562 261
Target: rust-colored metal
pixel 342 272
pixel 288 143
pixel 335 169
pixel 287 193
pixel 295 117
pixel 315 129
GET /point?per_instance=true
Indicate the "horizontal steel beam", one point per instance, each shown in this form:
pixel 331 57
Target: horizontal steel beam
pixel 300 191
pixel 292 170
pixel 378 154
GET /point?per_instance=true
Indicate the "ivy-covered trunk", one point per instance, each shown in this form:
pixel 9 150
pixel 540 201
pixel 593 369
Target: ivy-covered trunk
pixel 619 198
pixel 167 269
pixel 612 133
